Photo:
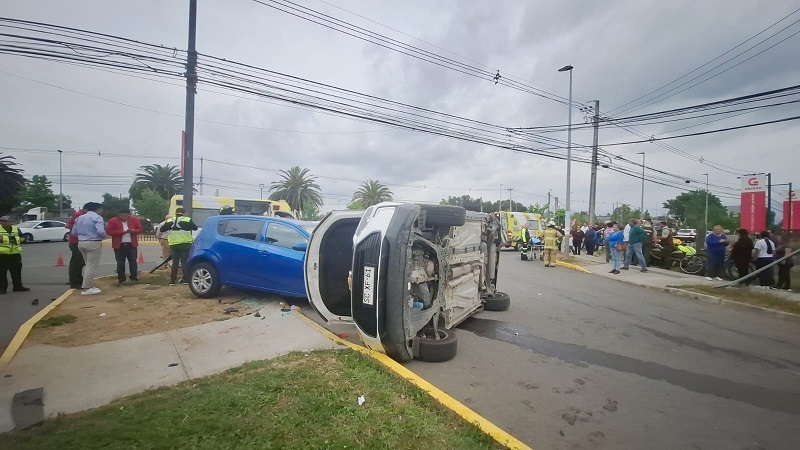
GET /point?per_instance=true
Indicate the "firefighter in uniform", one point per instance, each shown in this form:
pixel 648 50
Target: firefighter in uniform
pixel 227 211
pixel 550 236
pixel 180 243
pixel 10 256
pixel 524 242
pixel 667 241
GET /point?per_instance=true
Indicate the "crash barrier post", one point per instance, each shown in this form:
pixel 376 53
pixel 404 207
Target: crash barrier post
pixel 168 259
pixel 754 273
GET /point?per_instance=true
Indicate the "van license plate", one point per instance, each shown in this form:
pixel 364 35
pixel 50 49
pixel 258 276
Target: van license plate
pixel 369 285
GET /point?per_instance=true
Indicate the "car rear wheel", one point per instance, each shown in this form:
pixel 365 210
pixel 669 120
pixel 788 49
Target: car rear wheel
pixel 444 215
pixel 499 301
pixel 28 237
pixel 438 350
pixel 204 281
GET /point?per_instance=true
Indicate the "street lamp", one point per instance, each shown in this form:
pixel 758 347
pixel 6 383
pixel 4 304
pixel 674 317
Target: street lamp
pixel 641 208
pixel 261 186
pixel 568 211
pixel 500 203
pixel 60 188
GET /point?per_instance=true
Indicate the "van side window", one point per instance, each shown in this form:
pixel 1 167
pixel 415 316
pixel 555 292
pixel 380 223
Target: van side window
pixel 283 236
pixel 248 229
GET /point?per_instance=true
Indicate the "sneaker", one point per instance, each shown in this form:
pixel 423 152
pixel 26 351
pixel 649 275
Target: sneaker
pixel 643 270
pixel 616 272
pixel 134 279
pixel 624 268
pixel 172 284
pixel 21 289
pixel 718 279
pixel 91 291
pixel 709 279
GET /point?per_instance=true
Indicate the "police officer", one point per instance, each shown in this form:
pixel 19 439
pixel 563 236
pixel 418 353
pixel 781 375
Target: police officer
pixel 524 242
pixel 550 236
pixel 10 256
pixel 666 239
pixel 180 243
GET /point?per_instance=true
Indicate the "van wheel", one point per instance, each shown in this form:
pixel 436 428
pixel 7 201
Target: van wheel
pixel 444 215
pixel 438 350
pixel 204 281
pixel 499 301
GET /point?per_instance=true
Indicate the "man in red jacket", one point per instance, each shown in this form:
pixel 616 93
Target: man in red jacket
pixel 124 230
pixel 76 261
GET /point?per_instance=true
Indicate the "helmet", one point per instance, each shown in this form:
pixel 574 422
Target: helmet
pixel 551 224
pixel 226 211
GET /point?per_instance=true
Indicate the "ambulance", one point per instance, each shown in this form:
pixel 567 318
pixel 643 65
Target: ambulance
pixel 512 223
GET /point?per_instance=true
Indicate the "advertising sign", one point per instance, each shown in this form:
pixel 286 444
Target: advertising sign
pixel 753 213
pixel 791 212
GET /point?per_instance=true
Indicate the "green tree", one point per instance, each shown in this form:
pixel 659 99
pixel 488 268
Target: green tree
pixel 298 187
pixel 165 180
pixel 690 209
pixel 371 192
pixel 151 205
pixel 38 191
pixel 112 205
pixel 538 209
pixel 11 183
pixel 310 212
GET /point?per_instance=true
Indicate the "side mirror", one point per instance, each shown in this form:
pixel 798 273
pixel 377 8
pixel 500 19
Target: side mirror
pixel 301 247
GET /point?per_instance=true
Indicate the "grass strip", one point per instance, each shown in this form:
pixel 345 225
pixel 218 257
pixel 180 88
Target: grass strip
pixel 751 296
pixel 297 401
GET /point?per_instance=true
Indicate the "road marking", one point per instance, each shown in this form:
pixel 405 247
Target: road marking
pixel 483 424
pixel 26 327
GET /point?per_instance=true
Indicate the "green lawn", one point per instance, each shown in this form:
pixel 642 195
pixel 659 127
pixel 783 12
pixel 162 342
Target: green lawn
pixel 752 296
pixel 298 401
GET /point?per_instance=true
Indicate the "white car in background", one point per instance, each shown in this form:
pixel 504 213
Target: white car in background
pixel 43 230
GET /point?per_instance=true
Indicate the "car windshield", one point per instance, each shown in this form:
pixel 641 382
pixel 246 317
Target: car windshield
pixel 28 224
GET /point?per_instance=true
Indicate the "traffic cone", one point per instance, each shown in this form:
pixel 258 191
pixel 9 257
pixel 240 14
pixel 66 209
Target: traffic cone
pixel 60 261
pixel 141 258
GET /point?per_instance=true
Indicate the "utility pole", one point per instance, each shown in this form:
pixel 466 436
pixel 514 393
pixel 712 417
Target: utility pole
pixel 593 182
pixel 510 206
pixel 789 215
pixel 769 199
pixel 191 88
pixel 548 206
pixel 201 175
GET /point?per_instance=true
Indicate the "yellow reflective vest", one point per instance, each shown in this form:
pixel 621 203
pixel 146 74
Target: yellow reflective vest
pixel 178 235
pixel 10 241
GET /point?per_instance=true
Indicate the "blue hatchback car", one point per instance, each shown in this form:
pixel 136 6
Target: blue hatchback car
pixel 249 252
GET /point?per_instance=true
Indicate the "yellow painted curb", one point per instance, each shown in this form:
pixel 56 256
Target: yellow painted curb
pixel 573 267
pixel 492 430
pixel 26 327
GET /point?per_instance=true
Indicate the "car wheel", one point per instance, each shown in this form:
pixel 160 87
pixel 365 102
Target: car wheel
pixel 204 281
pixel 438 350
pixel 499 301
pixel 28 237
pixel 66 236
pixel 444 215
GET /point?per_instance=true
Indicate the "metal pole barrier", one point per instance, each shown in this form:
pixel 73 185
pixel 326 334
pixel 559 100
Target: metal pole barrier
pixel 751 274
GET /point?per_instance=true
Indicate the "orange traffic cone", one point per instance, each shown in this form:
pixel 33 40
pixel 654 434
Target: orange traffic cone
pixel 60 261
pixel 141 258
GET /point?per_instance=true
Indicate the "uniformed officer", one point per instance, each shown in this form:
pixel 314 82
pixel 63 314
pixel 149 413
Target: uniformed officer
pixel 10 256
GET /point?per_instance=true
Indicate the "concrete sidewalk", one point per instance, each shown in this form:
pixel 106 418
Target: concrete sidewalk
pixel 80 378
pixel 660 278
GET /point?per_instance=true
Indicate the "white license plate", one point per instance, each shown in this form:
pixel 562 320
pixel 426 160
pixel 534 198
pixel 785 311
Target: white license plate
pixel 369 285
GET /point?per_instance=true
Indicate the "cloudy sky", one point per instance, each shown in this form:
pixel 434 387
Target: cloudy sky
pixel 621 50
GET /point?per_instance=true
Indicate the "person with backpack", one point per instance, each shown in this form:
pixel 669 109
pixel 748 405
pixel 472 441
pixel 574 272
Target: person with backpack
pixel 763 255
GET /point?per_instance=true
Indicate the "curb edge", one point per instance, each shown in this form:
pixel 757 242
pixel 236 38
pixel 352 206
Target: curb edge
pixel 444 399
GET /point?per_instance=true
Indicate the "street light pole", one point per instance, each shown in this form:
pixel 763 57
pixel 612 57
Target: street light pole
pixel 641 207
pixel 500 203
pixel 60 188
pixel 261 186
pixel 568 210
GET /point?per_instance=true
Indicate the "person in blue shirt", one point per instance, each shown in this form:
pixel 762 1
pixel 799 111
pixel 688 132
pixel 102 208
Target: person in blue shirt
pixel 715 249
pixel 615 238
pixel 90 231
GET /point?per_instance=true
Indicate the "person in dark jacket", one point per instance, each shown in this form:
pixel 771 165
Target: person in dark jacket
pixel 577 241
pixel 636 240
pixel 590 240
pixel 784 267
pixel 742 254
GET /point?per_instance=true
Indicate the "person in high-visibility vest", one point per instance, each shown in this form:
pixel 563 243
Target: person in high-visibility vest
pixel 550 236
pixel 180 243
pixel 524 242
pixel 10 256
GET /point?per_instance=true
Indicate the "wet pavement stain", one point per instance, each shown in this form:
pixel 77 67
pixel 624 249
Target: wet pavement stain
pixel 782 401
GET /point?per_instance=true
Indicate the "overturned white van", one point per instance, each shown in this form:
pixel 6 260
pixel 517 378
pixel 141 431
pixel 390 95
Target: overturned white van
pixel 405 274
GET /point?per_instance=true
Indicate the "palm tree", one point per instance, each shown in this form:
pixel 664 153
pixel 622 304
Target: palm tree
pixel 11 183
pixel 165 180
pixel 298 187
pixel 371 193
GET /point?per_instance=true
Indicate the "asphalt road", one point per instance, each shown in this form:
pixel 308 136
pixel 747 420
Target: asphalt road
pixel 580 361
pixel 48 282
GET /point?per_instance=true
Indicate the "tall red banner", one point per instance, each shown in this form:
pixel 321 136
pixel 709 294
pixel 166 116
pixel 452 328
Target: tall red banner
pixel 753 212
pixel 791 212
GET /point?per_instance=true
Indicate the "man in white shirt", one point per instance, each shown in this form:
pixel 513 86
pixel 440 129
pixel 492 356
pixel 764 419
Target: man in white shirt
pixel 763 252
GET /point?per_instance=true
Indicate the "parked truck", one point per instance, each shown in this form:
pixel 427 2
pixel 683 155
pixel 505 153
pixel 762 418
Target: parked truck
pixel 37 213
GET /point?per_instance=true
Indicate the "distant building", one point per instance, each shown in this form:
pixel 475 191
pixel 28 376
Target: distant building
pixel 734 211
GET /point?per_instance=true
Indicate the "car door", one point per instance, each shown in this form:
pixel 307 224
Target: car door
pixel 282 254
pixel 238 250
pixel 328 262
pixel 59 229
pixel 45 231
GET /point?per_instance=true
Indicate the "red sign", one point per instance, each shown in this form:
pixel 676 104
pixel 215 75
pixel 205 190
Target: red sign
pixel 753 213
pixel 793 223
